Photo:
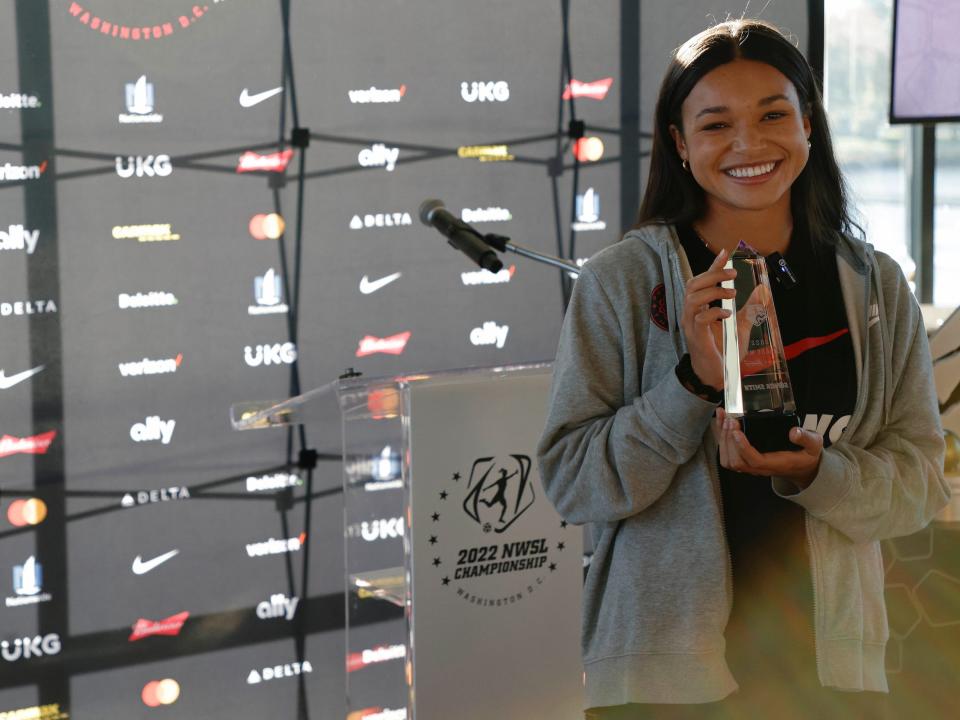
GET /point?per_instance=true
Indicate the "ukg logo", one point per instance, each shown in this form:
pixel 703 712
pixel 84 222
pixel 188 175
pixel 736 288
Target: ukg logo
pixel 275 354
pixel 30 647
pixel 143 166
pixel 498 91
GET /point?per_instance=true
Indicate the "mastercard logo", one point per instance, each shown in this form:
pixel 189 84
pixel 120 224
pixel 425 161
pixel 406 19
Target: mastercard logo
pixel 588 149
pixel 267 227
pixel 27 512
pixel 160 692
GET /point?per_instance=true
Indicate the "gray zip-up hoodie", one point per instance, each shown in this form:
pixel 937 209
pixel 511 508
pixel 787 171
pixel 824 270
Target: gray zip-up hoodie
pixel 631 451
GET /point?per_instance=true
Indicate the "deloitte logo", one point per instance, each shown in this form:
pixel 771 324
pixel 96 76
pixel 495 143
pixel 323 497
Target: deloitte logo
pixel 18 101
pixel 146 300
pixel 490 214
pixel 276 672
pixel 275 481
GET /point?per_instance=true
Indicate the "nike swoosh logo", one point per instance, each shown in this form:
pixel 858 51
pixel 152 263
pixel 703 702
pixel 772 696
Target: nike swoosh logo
pixel 371 286
pixel 140 567
pixel 801 346
pixel 9 382
pixel 247 100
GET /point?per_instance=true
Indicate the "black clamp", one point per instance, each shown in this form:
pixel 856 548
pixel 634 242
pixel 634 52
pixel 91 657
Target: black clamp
pixel 300 137
pixel 576 129
pixel 307 459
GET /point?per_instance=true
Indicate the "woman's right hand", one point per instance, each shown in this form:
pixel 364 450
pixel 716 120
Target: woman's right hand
pixel 701 324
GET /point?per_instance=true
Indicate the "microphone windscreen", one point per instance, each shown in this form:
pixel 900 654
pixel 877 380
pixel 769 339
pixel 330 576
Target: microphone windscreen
pixel 427 208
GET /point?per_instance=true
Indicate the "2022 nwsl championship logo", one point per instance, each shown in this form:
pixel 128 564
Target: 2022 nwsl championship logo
pixel 483 550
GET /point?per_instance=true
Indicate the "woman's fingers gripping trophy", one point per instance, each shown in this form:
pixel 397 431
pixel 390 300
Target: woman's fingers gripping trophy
pixel 701 324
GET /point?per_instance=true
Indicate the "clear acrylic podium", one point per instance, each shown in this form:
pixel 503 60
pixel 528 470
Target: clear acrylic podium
pixel 445 517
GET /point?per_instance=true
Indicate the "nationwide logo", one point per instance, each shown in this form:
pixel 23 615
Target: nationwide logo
pixel 382 529
pixel 490 214
pixel 276 547
pixel 142 31
pixel 274 162
pixel 274 481
pixel 248 101
pixel 170 626
pixel 379 155
pixel 137 368
pixel 378 713
pixel 160 692
pixel 8 382
pixel 27 307
pixel 368 286
pixel 268 294
pixel 393 345
pixel 588 149
pixel 596 90
pixel 267 226
pixel 155 298
pixel 142 567
pixel 383 653
pixel 10 173
pixel 145 233
pixel 485 153
pixel 277 607
pixel 33 445
pixel 275 354
pixel 490 334
pixel 143 166
pixel 588 212
pixel 29 647
pixel 498 91
pixel 279 671
pixel 36 712
pixel 28 584
pixel 374 95
pixel 140 102
pixel 22 513
pixel 18 101
pixel 485 277
pixel 147 497
pixel 375 472
pixel 17 238
pixel 372 220
pixel 153 429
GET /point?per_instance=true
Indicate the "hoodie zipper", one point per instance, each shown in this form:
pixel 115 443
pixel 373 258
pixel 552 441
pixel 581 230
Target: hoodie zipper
pixel 813 582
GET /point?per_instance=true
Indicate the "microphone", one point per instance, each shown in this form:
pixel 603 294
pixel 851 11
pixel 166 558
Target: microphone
pixel 459 235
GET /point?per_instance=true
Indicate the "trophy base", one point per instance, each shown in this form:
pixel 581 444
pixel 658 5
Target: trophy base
pixel 770 433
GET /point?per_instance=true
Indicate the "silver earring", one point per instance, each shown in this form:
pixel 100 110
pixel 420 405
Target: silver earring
pixel 685 165
pixel 809 144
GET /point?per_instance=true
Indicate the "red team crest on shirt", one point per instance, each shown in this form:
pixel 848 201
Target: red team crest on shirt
pixel 658 307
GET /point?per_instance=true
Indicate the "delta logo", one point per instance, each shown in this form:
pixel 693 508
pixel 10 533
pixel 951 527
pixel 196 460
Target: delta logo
pixel 28 307
pixel 485 277
pixel 33 445
pixel 393 345
pixel 276 547
pixel 595 90
pixel 36 712
pixel 147 497
pixel 159 232
pixel 276 672
pixel 12 173
pixel 139 368
pixel 160 692
pixel 170 626
pixel 375 95
pixel 372 220
pixel 267 226
pixel 485 153
pixel 274 162
pixel 31 511
pixel 384 653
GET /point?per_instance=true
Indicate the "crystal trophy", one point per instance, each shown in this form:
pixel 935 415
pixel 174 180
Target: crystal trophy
pixel 756 381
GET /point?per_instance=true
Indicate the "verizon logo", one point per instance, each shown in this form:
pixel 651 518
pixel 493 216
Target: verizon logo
pixel 596 90
pixel 10 172
pixel 393 345
pixel 485 277
pixel 374 95
pixel 276 547
pixel 168 626
pixel 254 162
pixel 150 367
pixel 33 445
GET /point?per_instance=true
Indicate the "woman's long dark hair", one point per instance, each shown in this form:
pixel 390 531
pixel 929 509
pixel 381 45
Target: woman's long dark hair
pixel 818 198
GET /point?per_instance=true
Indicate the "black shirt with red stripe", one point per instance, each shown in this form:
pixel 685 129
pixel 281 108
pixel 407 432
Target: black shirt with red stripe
pixel 770 633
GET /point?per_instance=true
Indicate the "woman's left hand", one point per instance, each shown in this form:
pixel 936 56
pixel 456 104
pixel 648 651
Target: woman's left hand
pixel 736 453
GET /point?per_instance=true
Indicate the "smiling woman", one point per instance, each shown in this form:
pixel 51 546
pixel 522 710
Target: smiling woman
pixel 727 582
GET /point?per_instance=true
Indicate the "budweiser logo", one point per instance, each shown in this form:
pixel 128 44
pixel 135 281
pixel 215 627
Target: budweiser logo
pixel 392 345
pixel 168 626
pixel 596 90
pixel 254 162
pixel 34 445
